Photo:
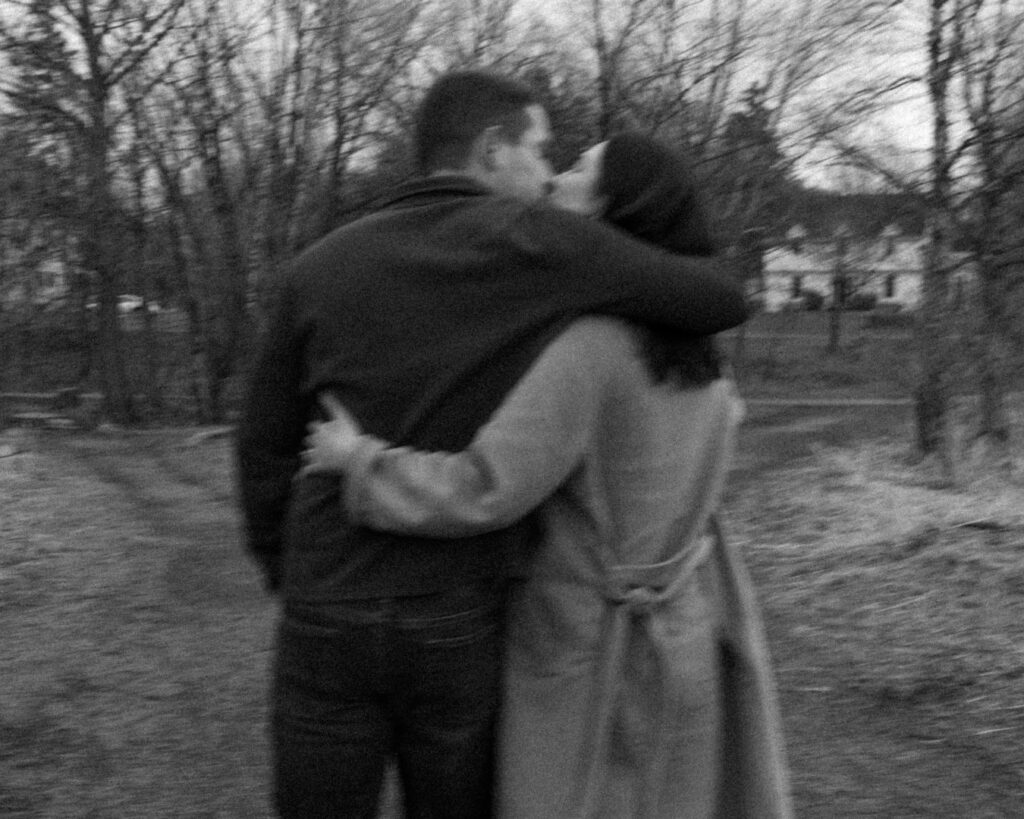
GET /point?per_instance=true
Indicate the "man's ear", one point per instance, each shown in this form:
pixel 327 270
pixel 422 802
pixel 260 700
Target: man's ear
pixel 486 149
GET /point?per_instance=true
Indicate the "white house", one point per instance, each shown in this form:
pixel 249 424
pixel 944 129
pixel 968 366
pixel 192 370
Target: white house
pixel 889 267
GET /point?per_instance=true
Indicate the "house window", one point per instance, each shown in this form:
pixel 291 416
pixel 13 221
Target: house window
pixel 797 287
pixel 890 286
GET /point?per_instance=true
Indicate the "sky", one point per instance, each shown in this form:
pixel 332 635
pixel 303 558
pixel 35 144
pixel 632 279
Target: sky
pixel 901 131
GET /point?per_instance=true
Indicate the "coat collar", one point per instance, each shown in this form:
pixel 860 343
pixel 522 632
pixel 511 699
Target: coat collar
pixel 432 189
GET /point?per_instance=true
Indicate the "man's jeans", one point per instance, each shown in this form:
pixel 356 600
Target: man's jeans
pixel 415 679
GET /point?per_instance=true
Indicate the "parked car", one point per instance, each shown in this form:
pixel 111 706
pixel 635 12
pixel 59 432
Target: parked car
pixel 128 303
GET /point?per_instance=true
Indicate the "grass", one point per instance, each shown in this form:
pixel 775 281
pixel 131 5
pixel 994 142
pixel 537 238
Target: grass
pixel 862 541
pixel 900 603
pixel 786 354
pixel 135 637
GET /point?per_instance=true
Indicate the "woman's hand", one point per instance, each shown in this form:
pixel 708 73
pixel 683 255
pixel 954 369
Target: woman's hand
pixel 329 444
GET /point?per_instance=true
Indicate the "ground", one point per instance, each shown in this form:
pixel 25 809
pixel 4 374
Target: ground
pixel 136 638
pixel 895 612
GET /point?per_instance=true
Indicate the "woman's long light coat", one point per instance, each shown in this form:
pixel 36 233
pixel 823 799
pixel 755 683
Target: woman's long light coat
pixel 638 681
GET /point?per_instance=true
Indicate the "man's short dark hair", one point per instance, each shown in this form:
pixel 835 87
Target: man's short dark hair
pixel 462 105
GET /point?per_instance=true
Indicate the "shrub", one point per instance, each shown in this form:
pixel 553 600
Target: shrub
pixel 889 320
pixel 888 306
pixel 862 301
pixel 813 300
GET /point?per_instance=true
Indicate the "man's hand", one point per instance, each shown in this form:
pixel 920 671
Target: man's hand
pixel 329 444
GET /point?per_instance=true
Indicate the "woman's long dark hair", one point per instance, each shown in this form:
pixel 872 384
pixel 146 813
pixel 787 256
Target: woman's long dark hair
pixel 652 194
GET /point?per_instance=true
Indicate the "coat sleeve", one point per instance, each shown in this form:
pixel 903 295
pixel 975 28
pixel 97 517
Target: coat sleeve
pixel 532 443
pixel 608 271
pixel 269 438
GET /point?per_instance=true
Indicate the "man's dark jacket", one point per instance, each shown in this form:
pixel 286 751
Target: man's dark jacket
pixel 420 318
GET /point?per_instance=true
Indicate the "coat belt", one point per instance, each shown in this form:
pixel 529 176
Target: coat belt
pixel 633 594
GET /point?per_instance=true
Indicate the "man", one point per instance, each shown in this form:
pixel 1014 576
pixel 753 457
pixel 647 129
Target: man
pixel 420 318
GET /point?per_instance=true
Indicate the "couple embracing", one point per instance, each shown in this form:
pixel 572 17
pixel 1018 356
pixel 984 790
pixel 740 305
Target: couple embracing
pixel 482 450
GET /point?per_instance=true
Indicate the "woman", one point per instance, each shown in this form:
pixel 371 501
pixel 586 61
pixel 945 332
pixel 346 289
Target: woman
pixel 637 682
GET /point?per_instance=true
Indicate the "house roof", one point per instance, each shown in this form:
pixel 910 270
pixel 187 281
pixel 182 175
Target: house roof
pixel 820 214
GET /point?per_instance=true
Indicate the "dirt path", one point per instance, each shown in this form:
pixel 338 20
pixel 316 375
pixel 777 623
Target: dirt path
pixel 136 637
pixel 137 640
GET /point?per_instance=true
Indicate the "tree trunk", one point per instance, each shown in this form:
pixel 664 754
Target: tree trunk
pixel 86 331
pixel 230 330
pixel 97 254
pixel 990 301
pixel 933 330
pixel 151 345
pixel 101 254
pixel 835 326
pixel 118 400
pixel 5 356
pixel 930 407
pixel 932 396
pixel 995 421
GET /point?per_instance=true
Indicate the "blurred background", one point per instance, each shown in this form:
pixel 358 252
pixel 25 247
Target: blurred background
pixel 159 161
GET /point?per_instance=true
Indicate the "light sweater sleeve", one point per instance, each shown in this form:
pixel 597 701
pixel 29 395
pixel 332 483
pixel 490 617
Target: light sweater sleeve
pixel 527 449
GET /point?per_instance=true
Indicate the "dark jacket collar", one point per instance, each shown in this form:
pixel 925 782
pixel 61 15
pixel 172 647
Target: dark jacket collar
pixel 430 189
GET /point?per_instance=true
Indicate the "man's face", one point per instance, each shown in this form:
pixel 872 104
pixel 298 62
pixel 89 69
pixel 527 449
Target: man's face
pixel 521 169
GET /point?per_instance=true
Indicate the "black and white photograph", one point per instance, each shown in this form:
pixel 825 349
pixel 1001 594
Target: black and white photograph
pixel 511 409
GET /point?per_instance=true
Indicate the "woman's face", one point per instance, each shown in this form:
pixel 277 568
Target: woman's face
pixel 576 189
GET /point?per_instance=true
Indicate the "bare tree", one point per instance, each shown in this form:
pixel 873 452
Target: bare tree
pixel 257 134
pixel 688 71
pixel 70 60
pixel 33 245
pixel 991 75
pixel 976 44
pixel 972 180
pixel 945 43
pixel 207 50
pixel 478 34
pixel 612 32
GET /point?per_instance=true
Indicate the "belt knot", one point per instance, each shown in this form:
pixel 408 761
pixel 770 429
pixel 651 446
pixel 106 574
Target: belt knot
pixel 638 600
